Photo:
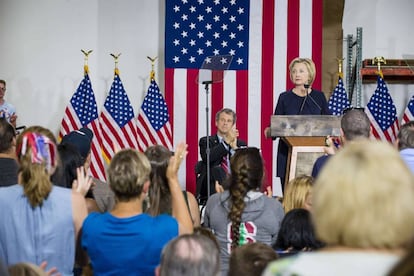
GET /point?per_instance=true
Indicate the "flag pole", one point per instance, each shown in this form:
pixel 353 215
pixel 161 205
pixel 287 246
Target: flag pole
pixel 152 74
pixel 378 60
pixel 116 57
pixel 340 63
pixel 85 64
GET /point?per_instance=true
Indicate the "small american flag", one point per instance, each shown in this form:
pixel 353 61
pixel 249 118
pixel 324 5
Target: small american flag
pixel 118 124
pixel 382 113
pixel 153 120
pixel 409 112
pixel 81 112
pixel 339 99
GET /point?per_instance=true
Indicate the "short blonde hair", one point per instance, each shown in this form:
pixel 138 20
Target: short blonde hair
pixel 127 173
pixel 310 65
pixel 296 192
pixel 364 197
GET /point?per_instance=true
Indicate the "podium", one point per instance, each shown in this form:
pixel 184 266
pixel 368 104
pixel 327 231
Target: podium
pixel 305 135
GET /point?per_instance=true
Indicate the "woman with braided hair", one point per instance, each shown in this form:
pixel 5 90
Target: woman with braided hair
pixel 243 214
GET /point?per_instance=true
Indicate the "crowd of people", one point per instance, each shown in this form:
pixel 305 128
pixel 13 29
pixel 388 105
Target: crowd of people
pixel 353 216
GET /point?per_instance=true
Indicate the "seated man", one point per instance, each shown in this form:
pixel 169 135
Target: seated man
pixel 8 159
pixel 222 146
pixel 355 125
pixel 191 255
pixel 7 110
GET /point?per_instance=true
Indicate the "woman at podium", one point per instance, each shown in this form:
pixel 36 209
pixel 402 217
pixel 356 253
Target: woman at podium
pixel 301 100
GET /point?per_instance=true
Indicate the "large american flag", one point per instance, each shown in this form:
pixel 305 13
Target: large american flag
pixel 263 36
pixel 118 123
pixel 153 120
pixel 408 112
pixel 382 113
pixel 81 112
pixel 339 99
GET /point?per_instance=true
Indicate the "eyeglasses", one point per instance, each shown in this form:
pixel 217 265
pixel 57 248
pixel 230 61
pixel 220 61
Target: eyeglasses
pixel 352 108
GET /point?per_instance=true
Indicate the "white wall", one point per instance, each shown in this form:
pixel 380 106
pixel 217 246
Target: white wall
pixel 42 63
pixel 387 28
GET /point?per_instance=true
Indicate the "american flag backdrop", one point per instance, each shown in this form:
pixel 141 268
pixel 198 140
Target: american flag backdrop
pixel 81 112
pixel 263 36
pixel 117 120
pixel 382 113
pixel 339 99
pixel 153 120
pixel 408 112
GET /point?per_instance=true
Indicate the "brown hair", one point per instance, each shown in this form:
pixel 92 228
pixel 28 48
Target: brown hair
pixel 251 259
pixel 127 173
pixel 159 192
pixel 246 175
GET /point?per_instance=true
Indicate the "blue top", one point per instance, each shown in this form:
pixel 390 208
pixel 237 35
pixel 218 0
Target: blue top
pixel 291 104
pixel 319 163
pixel 408 156
pixel 44 233
pixel 126 246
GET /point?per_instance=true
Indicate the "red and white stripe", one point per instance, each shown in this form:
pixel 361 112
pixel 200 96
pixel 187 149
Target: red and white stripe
pixel 279 31
pixel 115 137
pixel 148 136
pixel 71 122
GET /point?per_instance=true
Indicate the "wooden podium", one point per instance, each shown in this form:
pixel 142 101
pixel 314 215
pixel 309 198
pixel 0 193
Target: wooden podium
pixel 305 135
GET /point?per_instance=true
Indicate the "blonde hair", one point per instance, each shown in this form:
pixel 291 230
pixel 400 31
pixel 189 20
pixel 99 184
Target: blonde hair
pixel 310 65
pixel 37 158
pixel 364 197
pixel 296 192
pixel 127 173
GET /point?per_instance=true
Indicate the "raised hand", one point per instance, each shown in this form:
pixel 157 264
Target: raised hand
pixel 82 183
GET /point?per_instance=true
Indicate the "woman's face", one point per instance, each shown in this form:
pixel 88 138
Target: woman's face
pixel 299 74
pixel 308 202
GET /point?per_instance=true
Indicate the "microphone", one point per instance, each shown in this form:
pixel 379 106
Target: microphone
pixel 306 85
pixel 313 100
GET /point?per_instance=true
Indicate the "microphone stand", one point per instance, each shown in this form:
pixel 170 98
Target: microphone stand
pixel 206 83
pixel 304 100
pixel 313 100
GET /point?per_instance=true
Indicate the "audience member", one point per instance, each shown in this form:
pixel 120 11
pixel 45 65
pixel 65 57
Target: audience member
pixel 222 146
pixel 103 197
pixel 38 221
pixel 8 162
pixel 159 194
pixel 251 259
pixel 296 234
pixel 303 99
pixel 190 255
pixel 405 143
pixel 298 193
pixel 363 210
pixel 70 160
pixel 355 125
pixel 26 269
pixel 7 110
pixel 126 241
pixel 242 214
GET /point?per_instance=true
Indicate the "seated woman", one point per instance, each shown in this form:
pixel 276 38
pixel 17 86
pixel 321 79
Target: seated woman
pixel 38 221
pixel 362 209
pixel 159 194
pixel 242 214
pixel 296 234
pixel 298 193
pixel 126 241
